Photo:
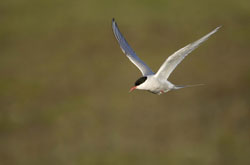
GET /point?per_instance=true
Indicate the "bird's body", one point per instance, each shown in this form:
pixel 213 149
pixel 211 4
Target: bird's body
pixel 157 83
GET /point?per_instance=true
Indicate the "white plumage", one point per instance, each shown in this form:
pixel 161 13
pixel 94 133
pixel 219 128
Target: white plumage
pixel 156 83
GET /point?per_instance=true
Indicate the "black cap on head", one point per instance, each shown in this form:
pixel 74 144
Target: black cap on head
pixel 140 81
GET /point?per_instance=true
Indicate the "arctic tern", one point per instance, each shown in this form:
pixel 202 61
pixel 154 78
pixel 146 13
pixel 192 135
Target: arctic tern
pixel 157 83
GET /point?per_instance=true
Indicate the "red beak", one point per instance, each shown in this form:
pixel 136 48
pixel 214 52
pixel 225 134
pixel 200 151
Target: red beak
pixel 133 88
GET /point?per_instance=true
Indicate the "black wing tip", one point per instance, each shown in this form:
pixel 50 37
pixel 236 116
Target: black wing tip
pixel 113 22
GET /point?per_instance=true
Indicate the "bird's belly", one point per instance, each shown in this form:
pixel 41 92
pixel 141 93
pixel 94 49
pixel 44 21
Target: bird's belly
pixel 160 87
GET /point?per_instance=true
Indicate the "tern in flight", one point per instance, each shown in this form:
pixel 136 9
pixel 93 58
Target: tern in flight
pixel 157 83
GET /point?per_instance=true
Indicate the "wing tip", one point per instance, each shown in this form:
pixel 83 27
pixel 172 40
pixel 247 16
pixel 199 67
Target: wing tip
pixel 114 24
pixel 219 27
pixel 216 29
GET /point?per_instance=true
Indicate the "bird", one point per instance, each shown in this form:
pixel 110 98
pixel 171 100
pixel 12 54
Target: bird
pixel 157 83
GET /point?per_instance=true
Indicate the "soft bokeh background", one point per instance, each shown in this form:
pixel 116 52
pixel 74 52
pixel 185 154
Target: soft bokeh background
pixel 64 83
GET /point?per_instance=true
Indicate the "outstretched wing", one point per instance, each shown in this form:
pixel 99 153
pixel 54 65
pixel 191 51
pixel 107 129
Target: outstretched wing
pixel 172 61
pixel 129 51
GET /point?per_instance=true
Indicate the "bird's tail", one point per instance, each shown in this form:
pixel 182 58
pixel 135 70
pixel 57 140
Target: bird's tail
pixel 186 86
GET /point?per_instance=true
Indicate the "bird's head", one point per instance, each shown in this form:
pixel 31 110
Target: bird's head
pixel 138 83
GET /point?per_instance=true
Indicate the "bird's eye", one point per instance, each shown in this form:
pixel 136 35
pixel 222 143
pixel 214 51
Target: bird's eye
pixel 140 81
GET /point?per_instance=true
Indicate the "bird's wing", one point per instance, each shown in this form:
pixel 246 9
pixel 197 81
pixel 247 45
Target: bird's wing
pixel 129 51
pixel 172 61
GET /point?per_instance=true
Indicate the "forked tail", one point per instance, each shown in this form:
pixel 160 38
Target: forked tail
pixel 186 86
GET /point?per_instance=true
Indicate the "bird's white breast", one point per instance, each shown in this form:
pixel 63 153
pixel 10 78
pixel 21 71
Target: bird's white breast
pixel 155 85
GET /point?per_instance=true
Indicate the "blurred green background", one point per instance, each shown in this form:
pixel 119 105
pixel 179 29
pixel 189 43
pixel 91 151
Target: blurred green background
pixel 64 83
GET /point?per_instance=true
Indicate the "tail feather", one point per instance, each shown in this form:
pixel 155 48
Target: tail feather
pixel 186 86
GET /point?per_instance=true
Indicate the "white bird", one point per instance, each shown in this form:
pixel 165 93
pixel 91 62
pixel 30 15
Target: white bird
pixel 157 83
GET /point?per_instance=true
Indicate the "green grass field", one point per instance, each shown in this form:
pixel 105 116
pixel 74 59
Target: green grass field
pixel 64 83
